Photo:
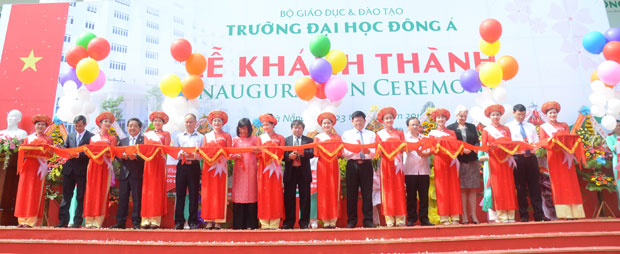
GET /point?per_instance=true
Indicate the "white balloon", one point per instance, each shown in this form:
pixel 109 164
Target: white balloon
pixel 597 85
pixel 506 115
pixel 613 105
pixel 89 107
pixel 597 110
pixel 597 99
pixel 607 93
pixel 64 101
pixel 499 94
pixel 484 99
pixel 75 107
pixel 609 122
pixel 69 87
pixel 83 94
pixel 613 114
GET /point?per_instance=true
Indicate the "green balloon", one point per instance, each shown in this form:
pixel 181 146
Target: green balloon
pixel 85 38
pixel 320 45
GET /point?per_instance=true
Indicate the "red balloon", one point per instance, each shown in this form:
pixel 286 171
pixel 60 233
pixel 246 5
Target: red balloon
pixel 490 30
pixel 75 54
pixel 611 51
pixel 180 49
pixel 320 90
pixel 98 48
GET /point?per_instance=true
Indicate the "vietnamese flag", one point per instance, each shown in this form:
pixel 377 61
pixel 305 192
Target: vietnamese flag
pixel 31 60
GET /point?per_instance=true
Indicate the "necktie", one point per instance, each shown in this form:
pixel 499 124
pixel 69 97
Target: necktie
pixel 296 143
pixel 362 156
pixel 79 138
pixel 132 141
pixel 524 135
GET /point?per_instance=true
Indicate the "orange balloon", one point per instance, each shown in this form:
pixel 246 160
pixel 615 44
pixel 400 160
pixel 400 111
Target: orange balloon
pixel 192 86
pixel 594 76
pixel 196 64
pixel 305 88
pixel 509 65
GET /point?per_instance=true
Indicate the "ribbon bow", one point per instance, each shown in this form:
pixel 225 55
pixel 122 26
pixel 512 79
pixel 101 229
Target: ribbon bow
pixel 273 167
pixel 220 167
pixel 42 171
pixel 568 159
pixel 398 162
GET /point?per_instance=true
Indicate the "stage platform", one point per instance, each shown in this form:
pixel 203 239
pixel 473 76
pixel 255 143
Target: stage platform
pixel 579 236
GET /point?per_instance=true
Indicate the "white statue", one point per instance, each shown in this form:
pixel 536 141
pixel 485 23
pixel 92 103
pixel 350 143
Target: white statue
pixel 13 118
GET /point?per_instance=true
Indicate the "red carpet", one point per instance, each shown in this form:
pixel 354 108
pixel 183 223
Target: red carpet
pixel 581 236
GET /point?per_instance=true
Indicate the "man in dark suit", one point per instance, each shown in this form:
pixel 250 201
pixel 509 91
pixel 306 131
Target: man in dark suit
pixel 130 177
pixel 74 173
pixel 297 174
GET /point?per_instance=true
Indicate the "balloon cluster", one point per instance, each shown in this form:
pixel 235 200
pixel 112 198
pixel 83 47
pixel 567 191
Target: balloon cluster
pixel 490 77
pixel 181 94
pixel 83 58
pixel 195 63
pixel 74 102
pixel 321 84
pixel 605 101
pixel 84 77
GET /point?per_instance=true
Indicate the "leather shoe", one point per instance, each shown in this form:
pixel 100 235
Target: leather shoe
pixel 426 223
pixel 411 223
pixel 287 227
pixel 61 226
pixel 136 226
pixel 304 227
pixel 351 225
pixel 524 219
pixel 369 225
pixel 543 219
pixel 76 226
pixel 118 225
pixel 178 226
pixel 194 226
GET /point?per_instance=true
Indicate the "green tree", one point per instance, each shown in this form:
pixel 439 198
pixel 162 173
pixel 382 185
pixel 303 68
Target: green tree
pixel 113 105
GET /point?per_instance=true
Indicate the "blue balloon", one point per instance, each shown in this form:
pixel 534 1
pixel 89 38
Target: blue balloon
pixel 320 70
pixel 594 42
pixel 613 34
pixel 470 81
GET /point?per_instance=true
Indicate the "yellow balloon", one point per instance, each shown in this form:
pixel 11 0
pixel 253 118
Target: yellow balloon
pixel 87 70
pixel 491 74
pixel 337 59
pixel 170 85
pixel 489 49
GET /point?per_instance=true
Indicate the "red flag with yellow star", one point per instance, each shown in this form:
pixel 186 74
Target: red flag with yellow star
pixel 31 60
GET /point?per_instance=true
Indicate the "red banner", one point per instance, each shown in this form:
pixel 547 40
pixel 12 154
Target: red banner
pixel 31 60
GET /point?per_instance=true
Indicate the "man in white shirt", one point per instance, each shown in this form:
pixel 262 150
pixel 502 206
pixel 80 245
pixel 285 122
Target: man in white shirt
pixel 188 175
pixel 526 173
pixel 417 179
pixel 359 170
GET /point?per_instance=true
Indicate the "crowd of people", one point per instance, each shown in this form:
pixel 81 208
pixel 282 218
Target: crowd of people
pixel 263 193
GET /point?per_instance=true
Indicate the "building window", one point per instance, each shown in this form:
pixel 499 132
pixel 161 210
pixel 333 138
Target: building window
pixel 120 31
pixel 118 48
pixel 151 55
pixel 178 33
pixel 90 25
pixel 178 20
pixel 67 38
pixel 62 58
pixel 123 2
pixel 121 15
pixel 151 71
pixel 152 40
pixel 72 4
pixel 118 65
pixel 152 11
pixel 152 25
pixel 70 19
pixel 91 8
